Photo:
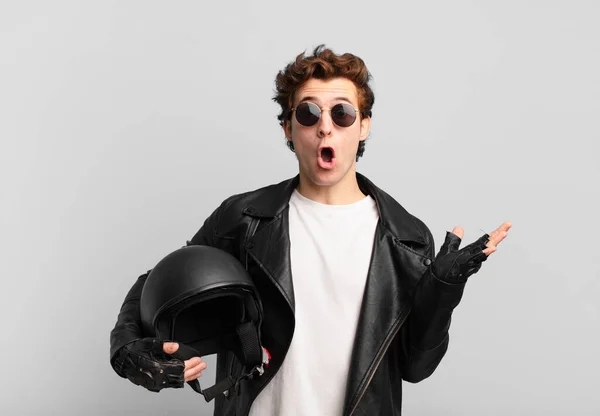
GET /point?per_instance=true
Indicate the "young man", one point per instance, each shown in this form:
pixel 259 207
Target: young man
pixel 355 298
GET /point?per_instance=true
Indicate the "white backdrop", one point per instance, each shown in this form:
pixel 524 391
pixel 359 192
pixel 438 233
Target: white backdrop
pixel 125 123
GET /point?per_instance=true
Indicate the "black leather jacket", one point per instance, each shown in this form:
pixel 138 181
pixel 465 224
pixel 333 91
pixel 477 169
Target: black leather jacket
pixel 405 314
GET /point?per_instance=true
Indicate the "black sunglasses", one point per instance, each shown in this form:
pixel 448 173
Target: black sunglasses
pixel 342 114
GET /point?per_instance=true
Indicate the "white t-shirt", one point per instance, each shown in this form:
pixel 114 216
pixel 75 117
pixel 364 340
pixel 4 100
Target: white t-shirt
pixel 331 249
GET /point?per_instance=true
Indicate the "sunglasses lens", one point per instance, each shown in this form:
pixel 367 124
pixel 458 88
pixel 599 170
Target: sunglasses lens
pixel 343 115
pixel 307 114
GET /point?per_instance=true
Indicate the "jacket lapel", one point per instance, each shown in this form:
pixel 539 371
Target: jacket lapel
pixel 270 248
pixel 270 245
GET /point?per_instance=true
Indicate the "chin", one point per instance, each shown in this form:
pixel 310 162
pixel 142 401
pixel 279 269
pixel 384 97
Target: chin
pixel 320 181
pixel 322 177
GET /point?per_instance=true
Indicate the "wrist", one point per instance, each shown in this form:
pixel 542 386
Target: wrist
pixel 120 358
pixel 452 277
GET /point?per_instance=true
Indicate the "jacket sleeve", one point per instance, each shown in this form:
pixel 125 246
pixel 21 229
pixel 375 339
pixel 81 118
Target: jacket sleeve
pixel 128 327
pixel 428 323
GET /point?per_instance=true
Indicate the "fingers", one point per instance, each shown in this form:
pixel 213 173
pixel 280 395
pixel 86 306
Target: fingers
pixel 503 229
pixel 193 368
pixel 489 250
pixel 458 231
pixel 499 234
pixel 495 238
pixel 170 347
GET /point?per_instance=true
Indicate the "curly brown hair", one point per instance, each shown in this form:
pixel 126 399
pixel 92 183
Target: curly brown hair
pixel 323 64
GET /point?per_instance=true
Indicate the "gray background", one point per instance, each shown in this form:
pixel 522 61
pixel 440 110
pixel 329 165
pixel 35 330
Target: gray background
pixel 124 124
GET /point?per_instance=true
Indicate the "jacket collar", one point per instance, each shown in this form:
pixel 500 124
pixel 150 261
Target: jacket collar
pixel 275 199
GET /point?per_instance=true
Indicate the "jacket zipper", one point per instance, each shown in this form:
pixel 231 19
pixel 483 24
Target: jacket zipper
pixel 382 352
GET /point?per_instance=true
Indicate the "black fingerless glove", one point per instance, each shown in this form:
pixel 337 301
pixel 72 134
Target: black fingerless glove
pixel 145 363
pixel 452 265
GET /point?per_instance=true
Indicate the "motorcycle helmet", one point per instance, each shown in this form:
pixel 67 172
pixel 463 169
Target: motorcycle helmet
pixel 203 298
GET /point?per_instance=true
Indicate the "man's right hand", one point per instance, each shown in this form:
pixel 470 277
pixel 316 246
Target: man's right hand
pixel 193 367
pixel 147 362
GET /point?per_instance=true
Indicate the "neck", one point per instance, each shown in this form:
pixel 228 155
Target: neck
pixel 344 192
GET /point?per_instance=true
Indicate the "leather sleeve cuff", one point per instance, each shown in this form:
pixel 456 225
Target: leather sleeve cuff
pixel 116 364
pixel 424 363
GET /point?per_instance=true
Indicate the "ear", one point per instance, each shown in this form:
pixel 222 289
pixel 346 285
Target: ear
pixel 287 129
pixel 365 126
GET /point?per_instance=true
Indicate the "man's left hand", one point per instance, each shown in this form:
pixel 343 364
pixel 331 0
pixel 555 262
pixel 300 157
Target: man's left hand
pixel 452 265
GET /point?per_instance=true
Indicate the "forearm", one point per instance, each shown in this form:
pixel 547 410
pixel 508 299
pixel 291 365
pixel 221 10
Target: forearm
pixel 128 326
pixel 428 325
pixel 425 336
pixel 434 302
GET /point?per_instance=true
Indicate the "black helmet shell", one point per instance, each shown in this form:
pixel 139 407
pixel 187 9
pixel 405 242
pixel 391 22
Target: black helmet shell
pixel 198 295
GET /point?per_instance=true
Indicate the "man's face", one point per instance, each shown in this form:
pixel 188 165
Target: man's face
pixel 321 166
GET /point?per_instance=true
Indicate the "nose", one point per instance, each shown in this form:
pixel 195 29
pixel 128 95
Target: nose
pixel 325 124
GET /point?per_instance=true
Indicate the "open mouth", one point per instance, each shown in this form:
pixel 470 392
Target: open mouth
pixel 327 154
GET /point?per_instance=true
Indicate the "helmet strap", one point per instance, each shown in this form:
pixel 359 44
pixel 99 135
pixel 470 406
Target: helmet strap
pixel 253 356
